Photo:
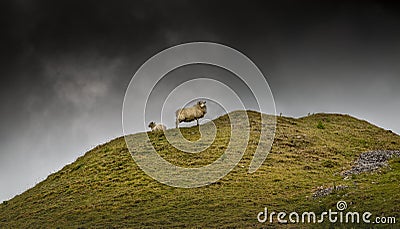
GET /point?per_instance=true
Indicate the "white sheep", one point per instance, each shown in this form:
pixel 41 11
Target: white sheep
pixel 191 113
pixel 157 127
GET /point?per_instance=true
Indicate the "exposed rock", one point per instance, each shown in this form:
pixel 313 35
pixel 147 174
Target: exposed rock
pixel 321 192
pixel 372 160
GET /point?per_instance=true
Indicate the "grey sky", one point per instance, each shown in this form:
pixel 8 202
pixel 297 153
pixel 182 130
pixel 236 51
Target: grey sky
pixel 65 66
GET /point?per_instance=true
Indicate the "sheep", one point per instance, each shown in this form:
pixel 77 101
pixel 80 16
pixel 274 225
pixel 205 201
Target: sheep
pixel 157 127
pixel 191 113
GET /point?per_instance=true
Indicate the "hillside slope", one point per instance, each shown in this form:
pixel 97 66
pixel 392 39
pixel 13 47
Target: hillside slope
pixel 105 188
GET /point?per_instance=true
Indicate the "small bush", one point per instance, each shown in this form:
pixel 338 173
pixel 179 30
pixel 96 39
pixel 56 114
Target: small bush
pixel 320 125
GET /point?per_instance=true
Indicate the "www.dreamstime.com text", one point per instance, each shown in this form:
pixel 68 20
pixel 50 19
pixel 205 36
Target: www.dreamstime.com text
pixel 339 216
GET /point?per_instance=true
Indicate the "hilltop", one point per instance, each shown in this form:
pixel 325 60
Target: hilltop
pixel 105 188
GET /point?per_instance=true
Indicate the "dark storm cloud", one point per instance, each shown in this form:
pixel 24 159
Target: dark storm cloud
pixel 65 65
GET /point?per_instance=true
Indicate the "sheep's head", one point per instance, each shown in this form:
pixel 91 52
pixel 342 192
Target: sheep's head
pixel 201 104
pixel 152 124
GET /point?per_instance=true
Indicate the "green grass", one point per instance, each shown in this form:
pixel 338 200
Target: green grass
pixel 105 188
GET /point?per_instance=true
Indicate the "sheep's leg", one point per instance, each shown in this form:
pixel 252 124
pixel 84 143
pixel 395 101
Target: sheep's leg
pixel 176 123
pixel 197 122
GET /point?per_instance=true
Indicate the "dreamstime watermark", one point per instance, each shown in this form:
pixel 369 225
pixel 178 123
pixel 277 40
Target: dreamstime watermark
pixel 151 90
pixel 331 216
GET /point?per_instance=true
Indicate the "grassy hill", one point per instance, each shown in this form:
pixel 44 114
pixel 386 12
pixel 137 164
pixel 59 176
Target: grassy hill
pixel 105 188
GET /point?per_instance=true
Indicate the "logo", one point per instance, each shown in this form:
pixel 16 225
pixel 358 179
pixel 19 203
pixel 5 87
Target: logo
pixel 331 216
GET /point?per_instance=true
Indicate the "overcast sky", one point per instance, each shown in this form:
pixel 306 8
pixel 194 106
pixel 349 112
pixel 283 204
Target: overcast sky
pixel 65 66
